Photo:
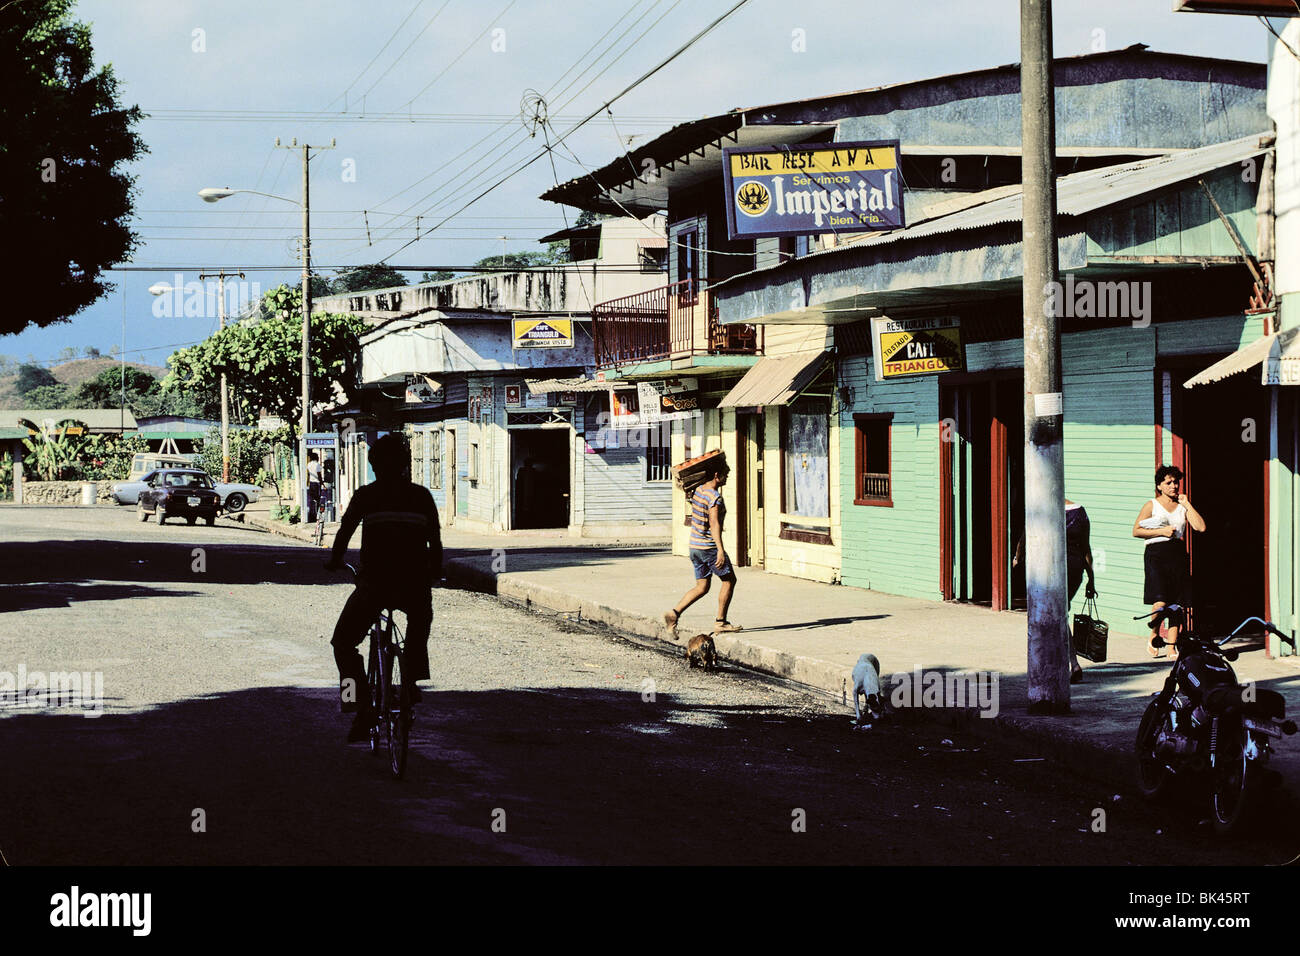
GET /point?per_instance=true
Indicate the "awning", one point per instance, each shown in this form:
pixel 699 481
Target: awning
pixel 775 380
pixel 545 386
pixel 653 242
pixel 1279 353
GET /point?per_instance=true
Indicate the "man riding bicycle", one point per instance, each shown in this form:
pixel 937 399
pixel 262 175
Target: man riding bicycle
pixel 401 558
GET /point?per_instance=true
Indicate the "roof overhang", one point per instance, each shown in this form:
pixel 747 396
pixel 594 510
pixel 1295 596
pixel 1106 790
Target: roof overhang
pixel 639 182
pixel 547 385
pixel 776 380
pixel 1251 8
pixel 1279 353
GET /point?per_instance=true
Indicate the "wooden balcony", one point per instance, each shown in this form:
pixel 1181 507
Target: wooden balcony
pixel 677 321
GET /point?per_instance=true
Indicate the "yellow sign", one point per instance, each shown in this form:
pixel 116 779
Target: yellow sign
pixel 811 161
pixel 542 334
pixel 917 347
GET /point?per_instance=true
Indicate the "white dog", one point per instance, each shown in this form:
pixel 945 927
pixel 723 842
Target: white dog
pixel 866 683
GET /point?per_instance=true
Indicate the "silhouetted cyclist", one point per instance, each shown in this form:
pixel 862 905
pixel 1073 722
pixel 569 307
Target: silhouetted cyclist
pixel 401 559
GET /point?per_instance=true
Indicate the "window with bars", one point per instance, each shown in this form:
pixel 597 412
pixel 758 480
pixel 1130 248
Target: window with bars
pixel 658 457
pixel 433 453
pixel 872 483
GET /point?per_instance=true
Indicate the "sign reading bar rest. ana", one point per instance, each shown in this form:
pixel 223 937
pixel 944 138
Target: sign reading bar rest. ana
pixel 814 189
pixel 543 334
pixel 916 346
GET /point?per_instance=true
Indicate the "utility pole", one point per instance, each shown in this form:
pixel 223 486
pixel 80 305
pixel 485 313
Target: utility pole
pixel 1048 669
pixel 225 415
pixel 305 419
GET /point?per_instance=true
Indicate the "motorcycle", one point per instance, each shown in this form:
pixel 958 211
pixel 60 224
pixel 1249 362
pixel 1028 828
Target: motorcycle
pixel 1205 727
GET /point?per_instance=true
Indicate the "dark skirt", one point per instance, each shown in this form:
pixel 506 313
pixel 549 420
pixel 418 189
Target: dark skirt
pixel 1166 573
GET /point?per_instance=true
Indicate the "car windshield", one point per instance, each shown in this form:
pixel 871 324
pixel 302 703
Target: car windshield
pixel 188 479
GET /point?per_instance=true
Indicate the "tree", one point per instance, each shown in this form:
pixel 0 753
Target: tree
pixel 364 278
pixel 65 203
pixel 517 260
pixel 33 376
pixel 440 276
pixel 105 389
pixel 57 395
pixel 263 360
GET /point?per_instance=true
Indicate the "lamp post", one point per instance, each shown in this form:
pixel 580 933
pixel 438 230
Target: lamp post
pixel 215 194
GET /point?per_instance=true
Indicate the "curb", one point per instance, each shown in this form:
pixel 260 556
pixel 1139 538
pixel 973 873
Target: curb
pixel 1113 765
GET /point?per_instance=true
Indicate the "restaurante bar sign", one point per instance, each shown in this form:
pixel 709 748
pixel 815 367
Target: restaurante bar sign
pixel 811 190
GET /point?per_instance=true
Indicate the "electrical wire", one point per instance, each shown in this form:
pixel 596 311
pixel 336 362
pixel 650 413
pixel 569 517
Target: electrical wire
pixel 344 95
pixel 498 146
pixel 1270 29
pixel 469 46
pixel 403 53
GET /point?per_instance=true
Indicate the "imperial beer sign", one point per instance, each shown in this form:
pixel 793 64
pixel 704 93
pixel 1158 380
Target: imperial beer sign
pixel 811 190
pixel 917 346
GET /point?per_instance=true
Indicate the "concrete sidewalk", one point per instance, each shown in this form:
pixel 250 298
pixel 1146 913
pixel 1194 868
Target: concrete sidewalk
pixel 813 634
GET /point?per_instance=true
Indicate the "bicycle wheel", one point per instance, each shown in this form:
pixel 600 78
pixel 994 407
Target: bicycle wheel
pixel 397 712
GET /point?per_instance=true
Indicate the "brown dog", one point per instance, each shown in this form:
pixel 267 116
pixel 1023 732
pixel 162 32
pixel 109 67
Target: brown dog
pixel 700 649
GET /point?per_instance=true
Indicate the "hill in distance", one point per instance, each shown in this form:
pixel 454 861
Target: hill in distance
pixel 72 374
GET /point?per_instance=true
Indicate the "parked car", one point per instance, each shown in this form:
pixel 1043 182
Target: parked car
pixel 179 493
pixel 146 461
pixel 235 495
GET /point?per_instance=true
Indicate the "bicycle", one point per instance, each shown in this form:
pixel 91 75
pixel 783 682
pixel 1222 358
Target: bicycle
pixel 390 696
pixel 322 506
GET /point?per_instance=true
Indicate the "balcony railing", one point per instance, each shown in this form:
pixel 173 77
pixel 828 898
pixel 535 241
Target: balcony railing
pixel 674 321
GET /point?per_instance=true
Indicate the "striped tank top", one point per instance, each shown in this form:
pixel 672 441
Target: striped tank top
pixel 701 502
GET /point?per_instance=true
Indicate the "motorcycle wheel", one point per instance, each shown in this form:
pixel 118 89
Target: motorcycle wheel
pixel 1153 778
pixel 1236 780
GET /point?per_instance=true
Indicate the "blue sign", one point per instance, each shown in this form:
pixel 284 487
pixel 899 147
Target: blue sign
pixel 813 189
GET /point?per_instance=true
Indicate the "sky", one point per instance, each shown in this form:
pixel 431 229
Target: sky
pixel 423 101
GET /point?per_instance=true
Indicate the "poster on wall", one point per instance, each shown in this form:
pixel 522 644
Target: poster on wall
pixel 812 189
pixel 667 400
pixel 926 346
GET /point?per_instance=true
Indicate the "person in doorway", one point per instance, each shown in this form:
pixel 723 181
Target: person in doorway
pixel 401 559
pixel 1163 522
pixel 1078 562
pixel 708 557
pixel 313 486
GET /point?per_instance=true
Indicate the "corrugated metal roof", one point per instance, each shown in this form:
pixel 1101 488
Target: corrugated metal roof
pixel 97 419
pixel 775 380
pixel 1284 343
pixel 1076 195
pixel 547 385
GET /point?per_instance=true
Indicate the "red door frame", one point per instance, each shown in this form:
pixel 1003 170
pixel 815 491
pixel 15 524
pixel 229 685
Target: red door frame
pixel 1000 590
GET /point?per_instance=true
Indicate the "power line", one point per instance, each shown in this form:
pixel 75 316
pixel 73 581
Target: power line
pixel 604 106
pixel 496 131
pixel 344 95
pixel 507 155
pixel 406 50
pixel 469 46
pixel 404 119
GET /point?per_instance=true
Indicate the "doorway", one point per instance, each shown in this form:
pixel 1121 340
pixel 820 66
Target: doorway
pixel 982 506
pixel 539 473
pixel 750 540
pixel 1220 438
pixel 450 478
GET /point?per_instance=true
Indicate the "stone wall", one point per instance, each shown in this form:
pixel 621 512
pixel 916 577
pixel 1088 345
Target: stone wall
pixel 62 492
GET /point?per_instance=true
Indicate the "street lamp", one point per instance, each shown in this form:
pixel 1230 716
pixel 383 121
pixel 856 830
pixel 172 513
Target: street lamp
pixel 217 193
pixel 162 288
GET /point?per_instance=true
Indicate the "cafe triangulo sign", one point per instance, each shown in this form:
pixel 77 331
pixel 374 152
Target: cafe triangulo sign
pixel 814 189
pixel 916 346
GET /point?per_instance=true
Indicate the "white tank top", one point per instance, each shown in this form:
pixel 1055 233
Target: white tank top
pixel 1161 518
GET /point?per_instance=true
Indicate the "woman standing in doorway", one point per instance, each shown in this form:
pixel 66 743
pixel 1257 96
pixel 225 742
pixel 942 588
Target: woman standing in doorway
pixel 1163 523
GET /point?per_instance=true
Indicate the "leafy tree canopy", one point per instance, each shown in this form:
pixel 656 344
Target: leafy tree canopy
pixel 439 276
pixel 64 140
pixel 57 395
pixel 263 360
pixel 363 278
pixel 520 260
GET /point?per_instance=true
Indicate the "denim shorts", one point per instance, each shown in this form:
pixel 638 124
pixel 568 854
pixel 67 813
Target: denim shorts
pixel 704 561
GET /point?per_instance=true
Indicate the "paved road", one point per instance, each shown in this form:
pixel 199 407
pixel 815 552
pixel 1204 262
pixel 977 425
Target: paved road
pixel 220 694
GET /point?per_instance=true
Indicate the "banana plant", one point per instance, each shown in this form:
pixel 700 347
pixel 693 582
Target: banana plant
pixel 53 445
